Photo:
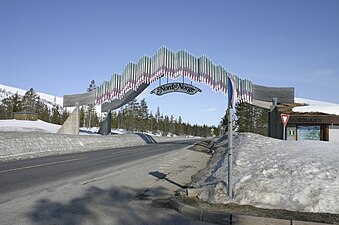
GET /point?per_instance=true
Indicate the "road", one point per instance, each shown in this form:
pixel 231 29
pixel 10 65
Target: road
pixel 34 172
pixel 98 187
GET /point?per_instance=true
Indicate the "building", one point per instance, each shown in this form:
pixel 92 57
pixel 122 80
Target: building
pixel 25 115
pixel 312 127
pixel 311 120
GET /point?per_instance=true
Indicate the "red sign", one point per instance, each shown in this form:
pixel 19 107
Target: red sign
pixel 284 118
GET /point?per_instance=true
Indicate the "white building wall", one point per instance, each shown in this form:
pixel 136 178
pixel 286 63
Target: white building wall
pixel 334 133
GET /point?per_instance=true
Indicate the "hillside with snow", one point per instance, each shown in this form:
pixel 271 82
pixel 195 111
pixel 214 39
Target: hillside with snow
pixel 48 99
pixel 7 91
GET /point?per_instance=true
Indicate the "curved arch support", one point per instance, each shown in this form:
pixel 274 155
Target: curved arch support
pixel 117 103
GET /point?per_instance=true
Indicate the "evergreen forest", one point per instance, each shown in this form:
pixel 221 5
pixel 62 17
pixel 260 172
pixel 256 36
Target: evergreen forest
pixel 133 117
pixel 136 117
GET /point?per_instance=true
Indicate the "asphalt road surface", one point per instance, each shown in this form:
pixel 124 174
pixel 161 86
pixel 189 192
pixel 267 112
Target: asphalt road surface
pixel 98 187
pixel 16 175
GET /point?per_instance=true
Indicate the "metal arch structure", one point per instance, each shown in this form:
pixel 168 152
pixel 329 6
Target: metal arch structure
pixel 136 77
pixel 174 65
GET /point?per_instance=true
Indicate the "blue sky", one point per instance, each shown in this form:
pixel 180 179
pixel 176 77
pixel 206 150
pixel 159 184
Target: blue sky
pixel 59 46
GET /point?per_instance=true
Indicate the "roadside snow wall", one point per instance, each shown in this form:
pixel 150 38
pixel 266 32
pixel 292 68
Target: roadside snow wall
pixel 20 145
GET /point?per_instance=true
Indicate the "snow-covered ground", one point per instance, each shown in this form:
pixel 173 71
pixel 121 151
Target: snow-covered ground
pixel 271 173
pixel 38 126
pixel 28 126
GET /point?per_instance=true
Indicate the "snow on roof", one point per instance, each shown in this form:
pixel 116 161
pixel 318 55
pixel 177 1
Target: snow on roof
pixel 316 106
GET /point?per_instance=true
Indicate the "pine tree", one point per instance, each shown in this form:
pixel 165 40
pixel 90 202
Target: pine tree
pixel 7 108
pixel 64 116
pixel 29 100
pixel 92 86
pixel 82 117
pixel 157 114
pixel 92 118
pixel 224 122
pixel 262 121
pixel 9 105
pixel 172 125
pixel 157 117
pixel 16 103
pixel 143 108
pixel 143 123
pixel 95 119
pixel 122 117
pixel 55 117
pixel 251 118
pixel 42 110
pixel 180 126
pixel 152 123
pixel 131 114
pixel 2 111
pixel 245 117
pixel 115 120
pixel 166 125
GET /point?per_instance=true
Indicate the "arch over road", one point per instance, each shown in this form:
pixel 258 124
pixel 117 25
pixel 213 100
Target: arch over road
pixel 136 77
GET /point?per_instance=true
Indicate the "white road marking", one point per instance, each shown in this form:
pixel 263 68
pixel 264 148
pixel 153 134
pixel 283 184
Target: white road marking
pixel 44 164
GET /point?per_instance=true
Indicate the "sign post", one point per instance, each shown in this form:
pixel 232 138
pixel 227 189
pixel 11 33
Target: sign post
pixel 284 119
pixel 231 102
pixel 230 151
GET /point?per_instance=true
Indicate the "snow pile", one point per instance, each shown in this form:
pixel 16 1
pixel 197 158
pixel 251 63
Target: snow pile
pixel 316 106
pixel 271 173
pixel 28 126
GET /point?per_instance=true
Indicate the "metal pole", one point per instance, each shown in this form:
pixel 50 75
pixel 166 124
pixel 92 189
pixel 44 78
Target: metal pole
pixel 284 135
pixel 230 151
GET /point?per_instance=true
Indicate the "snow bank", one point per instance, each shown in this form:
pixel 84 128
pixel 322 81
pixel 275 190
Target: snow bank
pixel 21 139
pixel 271 173
pixel 28 126
pixel 20 145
